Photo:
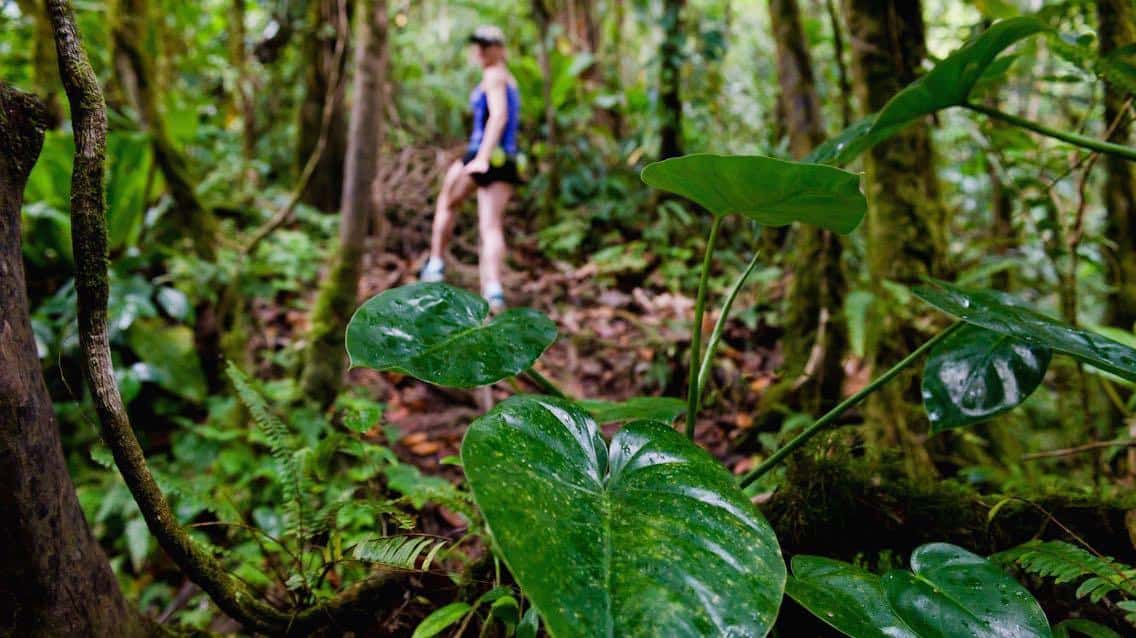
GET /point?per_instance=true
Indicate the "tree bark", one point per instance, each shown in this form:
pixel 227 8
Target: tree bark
pixel 817 341
pixel 906 223
pixel 45 80
pixel 325 187
pixel 324 358
pixel 131 28
pixel 1117 28
pixel 670 79
pixel 551 168
pixel 56 581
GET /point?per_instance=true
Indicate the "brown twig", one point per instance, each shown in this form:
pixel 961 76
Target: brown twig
pixel 1070 451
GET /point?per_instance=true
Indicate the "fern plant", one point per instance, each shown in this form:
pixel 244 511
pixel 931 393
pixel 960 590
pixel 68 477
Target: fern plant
pixel 310 539
pixel 1066 563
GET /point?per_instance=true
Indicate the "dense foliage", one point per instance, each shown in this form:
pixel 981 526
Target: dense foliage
pixel 936 295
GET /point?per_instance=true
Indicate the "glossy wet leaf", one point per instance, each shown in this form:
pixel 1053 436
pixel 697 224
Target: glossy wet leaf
pixel 650 538
pixel 848 598
pixel 769 191
pixel 954 594
pixel 989 309
pixel 665 409
pixel 950 82
pixel 976 373
pixel 438 333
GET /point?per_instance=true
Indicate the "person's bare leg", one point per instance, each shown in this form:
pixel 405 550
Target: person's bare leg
pixel 491 202
pixel 456 186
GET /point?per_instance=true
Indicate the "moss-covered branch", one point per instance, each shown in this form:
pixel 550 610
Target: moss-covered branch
pixel 89 236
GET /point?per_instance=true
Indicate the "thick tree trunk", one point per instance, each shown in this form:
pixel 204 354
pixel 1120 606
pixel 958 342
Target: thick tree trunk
pixel 670 79
pixel 131 30
pixel 56 581
pixel 243 102
pixel 1117 20
pixel 906 222
pixel 325 187
pixel 338 295
pixel 817 340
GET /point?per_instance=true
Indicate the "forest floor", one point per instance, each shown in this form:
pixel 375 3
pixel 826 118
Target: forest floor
pixel 614 343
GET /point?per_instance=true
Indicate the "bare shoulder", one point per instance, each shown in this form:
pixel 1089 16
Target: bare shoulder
pixel 495 76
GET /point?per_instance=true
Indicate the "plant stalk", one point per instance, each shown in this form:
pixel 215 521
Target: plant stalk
pixel 1084 141
pixel 545 384
pixel 843 407
pixel 719 326
pixel 696 332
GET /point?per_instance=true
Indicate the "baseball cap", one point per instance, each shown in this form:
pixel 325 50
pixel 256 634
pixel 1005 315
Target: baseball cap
pixel 487 35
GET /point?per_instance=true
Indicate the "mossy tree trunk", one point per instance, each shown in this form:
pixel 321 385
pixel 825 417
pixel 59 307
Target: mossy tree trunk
pixel 670 79
pixel 906 222
pixel 56 581
pixel 1117 20
pixel 817 340
pixel 327 21
pixel 133 41
pixel 45 78
pixel 324 357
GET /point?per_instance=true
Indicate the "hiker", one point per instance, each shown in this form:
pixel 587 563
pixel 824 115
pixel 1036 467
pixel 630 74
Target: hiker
pixel 489 165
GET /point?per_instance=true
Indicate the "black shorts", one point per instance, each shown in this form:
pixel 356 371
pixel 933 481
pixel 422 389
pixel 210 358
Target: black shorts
pixel 506 172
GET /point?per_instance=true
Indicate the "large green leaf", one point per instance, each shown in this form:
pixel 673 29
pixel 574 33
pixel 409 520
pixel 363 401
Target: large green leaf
pixel 948 84
pixel 665 409
pixel 977 373
pixel 650 538
pixel 955 594
pixel 990 310
pixel 770 191
pixel 438 333
pixel 846 597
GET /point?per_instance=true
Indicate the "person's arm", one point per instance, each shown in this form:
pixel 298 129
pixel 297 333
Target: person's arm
pixel 495 95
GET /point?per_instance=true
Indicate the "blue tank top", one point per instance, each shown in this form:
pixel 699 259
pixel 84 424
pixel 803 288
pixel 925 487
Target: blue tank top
pixel 479 103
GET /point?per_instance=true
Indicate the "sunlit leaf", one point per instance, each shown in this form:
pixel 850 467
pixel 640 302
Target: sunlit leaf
pixel 769 191
pixel 649 538
pixel 977 373
pixel 950 82
pixel 989 309
pixel 438 333
pixel 440 619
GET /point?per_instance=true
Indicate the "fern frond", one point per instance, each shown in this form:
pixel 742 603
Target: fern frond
pixel 1067 563
pixel 399 552
pixel 289 472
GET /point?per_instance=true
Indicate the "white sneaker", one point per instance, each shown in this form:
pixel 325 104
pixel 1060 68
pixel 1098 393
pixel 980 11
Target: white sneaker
pixel 433 272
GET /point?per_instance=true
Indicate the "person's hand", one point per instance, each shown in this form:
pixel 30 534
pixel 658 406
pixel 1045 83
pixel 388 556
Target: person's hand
pixel 476 166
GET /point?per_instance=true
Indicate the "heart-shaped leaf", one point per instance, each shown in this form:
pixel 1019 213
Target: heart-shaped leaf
pixel 977 373
pixel 951 594
pixel 848 598
pixel 955 593
pixel 770 191
pixel 652 538
pixel 948 84
pixel 437 333
pixel 665 409
pixel 989 309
